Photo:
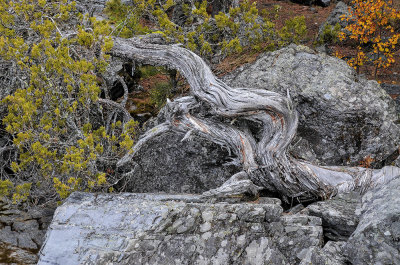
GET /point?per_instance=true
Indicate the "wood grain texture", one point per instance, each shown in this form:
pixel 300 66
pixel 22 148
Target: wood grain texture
pixel 263 154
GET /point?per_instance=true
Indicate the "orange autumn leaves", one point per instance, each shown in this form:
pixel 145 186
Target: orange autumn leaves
pixel 372 28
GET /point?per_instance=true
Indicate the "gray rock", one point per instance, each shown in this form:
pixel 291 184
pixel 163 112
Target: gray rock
pixel 330 254
pixel 341 9
pixel 394 92
pixel 296 234
pixel 377 237
pixel 27 231
pixel 334 18
pixel 261 251
pixel 170 165
pixel 295 209
pixel 333 253
pixel 41 212
pixel 9 237
pixel 342 119
pixel 301 148
pixel 25 241
pixel 38 236
pixel 7 219
pixel 175 229
pixel 339 219
pixel 25 226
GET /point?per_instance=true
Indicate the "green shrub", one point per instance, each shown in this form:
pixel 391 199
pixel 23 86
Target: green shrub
pixel 227 32
pixel 58 148
pixel 293 31
pixel 127 20
pixel 329 34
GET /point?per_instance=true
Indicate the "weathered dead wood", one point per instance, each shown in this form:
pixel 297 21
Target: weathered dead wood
pixel 264 158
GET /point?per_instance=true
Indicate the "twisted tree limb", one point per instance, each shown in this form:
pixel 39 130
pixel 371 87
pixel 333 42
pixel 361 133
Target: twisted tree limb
pixel 263 155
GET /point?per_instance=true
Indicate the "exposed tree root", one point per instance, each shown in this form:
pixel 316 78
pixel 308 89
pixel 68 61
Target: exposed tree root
pixel 262 154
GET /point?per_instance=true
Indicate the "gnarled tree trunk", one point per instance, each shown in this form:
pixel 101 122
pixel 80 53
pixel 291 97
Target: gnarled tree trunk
pixel 257 125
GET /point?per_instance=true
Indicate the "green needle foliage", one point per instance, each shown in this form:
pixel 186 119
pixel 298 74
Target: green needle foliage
pixel 62 140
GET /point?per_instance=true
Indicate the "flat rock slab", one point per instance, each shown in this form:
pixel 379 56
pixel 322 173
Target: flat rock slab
pixel 175 229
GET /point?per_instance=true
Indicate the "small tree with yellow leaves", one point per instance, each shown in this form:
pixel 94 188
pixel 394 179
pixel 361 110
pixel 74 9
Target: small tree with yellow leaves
pixel 371 23
pixel 64 136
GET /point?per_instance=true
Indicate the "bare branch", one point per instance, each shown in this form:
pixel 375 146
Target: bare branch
pixel 126 92
pixel 115 105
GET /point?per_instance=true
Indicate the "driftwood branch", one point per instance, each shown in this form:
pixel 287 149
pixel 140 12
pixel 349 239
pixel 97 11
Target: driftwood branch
pixel 126 92
pixel 117 106
pixel 264 158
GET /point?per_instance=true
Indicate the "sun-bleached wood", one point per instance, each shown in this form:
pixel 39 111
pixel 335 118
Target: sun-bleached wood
pixel 263 154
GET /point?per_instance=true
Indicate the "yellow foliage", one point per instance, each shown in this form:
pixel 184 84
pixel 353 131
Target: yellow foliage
pixel 5 187
pixel 372 24
pixel 49 117
pixel 21 192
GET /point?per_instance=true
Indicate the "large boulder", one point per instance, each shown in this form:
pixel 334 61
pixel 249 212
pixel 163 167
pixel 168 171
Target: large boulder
pixel 377 237
pixel 168 164
pixel 176 229
pixel 344 120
